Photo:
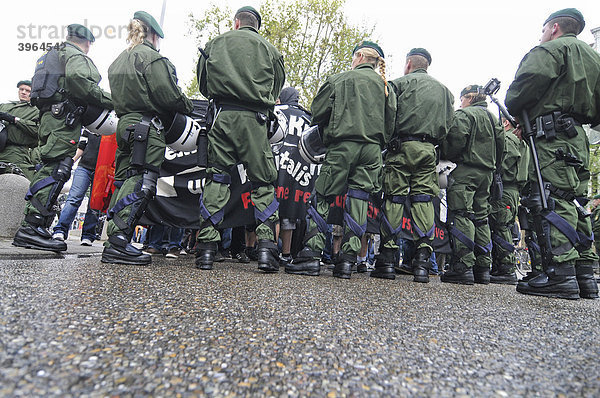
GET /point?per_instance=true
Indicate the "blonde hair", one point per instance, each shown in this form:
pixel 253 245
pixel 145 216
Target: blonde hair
pixel 373 57
pixel 137 32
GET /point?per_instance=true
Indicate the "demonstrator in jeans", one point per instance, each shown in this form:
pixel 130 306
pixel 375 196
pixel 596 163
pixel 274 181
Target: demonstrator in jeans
pixel 87 153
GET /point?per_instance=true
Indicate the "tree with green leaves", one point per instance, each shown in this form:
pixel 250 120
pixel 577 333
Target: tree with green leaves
pixel 314 36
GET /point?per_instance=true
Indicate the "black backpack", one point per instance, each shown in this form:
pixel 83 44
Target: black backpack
pixel 48 70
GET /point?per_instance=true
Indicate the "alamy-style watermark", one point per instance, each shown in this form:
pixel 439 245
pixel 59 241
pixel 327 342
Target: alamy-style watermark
pixel 35 37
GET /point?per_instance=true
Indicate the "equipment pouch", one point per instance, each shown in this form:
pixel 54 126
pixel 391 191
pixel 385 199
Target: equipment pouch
pixel 394 145
pixel 567 124
pixel 140 142
pixel 58 110
pixel 497 187
pixel 3 136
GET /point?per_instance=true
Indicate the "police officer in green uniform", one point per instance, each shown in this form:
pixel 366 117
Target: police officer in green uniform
pixel 425 113
pixel 146 95
pixel 557 83
pixel 474 143
pixel 20 134
pixel 355 111
pixel 515 163
pixel 65 82
pixel 596 222
pixel 242 74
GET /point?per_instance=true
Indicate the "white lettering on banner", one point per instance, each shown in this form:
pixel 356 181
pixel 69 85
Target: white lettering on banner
pixel 165 186
pixel 296 125
pixel 171 154
pixel 242 172
pixel 195 186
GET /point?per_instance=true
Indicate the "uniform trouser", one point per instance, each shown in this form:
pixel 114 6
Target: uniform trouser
pixel 238 137
pixel 20 156
pixel 353 166
pixel 502 218
pixel 565 178
pixel 56 143
pixel 469 208
pixel 411 171
pixel 155 154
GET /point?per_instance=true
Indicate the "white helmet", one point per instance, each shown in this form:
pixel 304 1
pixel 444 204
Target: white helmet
pixel 183 133
pixel 311 146
pixel 444 168
pixel 278 130
pixel 100 121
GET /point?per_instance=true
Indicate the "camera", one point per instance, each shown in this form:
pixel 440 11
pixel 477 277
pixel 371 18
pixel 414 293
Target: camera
pixel 491 87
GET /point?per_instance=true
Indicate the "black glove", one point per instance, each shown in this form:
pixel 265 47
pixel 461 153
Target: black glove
pixel 7 117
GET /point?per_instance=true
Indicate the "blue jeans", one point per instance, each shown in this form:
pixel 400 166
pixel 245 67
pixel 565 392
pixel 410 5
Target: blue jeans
pixel 82 180
pixel 164 237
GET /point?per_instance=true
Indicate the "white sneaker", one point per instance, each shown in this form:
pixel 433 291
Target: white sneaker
pixel 59 236
pixel 86 242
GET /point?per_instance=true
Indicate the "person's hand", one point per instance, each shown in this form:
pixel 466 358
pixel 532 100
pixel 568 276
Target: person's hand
pixel 7 117
pixel 518 132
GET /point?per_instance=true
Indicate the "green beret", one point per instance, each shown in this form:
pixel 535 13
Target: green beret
pixel 150 22
pixel 25 82
pixel 422 52
pixel 568 13
pixel 368 44
pixel 252 11
pixel 596 196
pixel 471 88
pixel 80 31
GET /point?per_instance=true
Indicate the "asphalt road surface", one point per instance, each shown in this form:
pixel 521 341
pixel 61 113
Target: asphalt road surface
pixel 72 326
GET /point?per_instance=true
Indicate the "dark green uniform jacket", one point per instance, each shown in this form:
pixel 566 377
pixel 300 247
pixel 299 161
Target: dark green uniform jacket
pixel 365 116
pixel 471 138
pixel 419 91
pixel 144 82
pixel 515 162
pixel 545 83
pixel 25 131
pixel 243 69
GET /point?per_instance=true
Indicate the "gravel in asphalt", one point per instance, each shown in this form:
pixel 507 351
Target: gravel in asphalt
pixel 73 326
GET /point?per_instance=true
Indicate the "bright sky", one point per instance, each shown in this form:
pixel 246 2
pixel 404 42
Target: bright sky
pixel 470 42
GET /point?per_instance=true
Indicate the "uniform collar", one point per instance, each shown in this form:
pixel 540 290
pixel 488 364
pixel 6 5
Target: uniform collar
pixel 249 28
pixel 482 104
pixel 420 70
pixel 365 65
pixel 147 43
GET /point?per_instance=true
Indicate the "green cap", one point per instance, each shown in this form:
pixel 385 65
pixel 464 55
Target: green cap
pixel 369 44
pixel 568 13
pixel 25 82
pixel 596 196
pixel 149 21
pixel 422 52
pixel 471 88
pixel 251 10
pixel 80 31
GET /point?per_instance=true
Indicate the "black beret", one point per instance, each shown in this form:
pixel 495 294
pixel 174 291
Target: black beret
pixel 422 52
pixel 80 31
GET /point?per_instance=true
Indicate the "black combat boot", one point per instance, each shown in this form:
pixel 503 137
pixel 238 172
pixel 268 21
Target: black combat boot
pixel 343 266
pixel 558 280
pixel 421 265
pixel 120 251
pixel 37 237
pixel 268 256
pixel 502 274
pixel 384 266
pixel 588 288
pixel 458 273
pixel 306 263
pixel 481 275
pixel 205 255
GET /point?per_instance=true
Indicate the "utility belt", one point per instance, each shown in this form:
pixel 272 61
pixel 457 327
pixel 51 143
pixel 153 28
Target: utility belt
pixel 396 143
pixel 549 125
pixel 262 117
pixel 139 133
pixel 66 109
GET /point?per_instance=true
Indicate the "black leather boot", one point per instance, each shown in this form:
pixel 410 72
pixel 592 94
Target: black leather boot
pixel 558 280
pixel 306 263
pixel 458 273
pixel 588 288
pixel 421 265
pixel 37 237
pixel 481 275
pixel 343 266
pixel 120 251
pixel 268 256
pixel 502 274
pixel 384 266
pixel 205 255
